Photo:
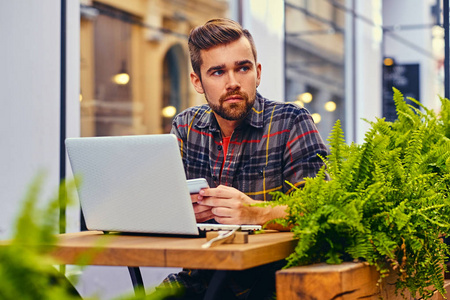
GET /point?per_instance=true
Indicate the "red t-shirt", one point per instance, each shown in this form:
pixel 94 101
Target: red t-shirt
pixel 225 143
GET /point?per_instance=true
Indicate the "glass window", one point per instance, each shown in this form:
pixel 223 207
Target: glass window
pixel 172 92
pixel 314 48
pixel 107 94
pixel 113 93
pixel 134 74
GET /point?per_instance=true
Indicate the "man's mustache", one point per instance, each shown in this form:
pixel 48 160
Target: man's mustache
pixel 233 93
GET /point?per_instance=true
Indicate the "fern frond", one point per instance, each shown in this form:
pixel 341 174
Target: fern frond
pixel 365 163
pixel 336 142
pixel 428 112
pixel 404 114
pixel 413 149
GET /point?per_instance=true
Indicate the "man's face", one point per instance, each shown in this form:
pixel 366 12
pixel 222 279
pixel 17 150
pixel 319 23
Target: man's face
pixel 230 76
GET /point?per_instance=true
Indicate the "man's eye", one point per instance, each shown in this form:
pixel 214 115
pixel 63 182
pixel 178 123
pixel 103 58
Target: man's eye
pixel 217 73
pixel 244 69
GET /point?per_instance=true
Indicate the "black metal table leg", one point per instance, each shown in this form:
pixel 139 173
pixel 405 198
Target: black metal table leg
pixel 136 280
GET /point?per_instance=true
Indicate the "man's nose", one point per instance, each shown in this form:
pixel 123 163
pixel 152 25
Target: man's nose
pixel 232 81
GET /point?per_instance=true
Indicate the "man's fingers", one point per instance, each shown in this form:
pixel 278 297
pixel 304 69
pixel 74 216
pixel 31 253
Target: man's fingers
pixel 216 202
pixel 194 198
pixel 222 211
pixel 203 217
pixel 200 208
pixel 226 220
pixel 219 192
pixel 202 213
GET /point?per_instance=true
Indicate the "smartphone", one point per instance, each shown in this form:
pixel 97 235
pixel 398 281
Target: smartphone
pixel 195 185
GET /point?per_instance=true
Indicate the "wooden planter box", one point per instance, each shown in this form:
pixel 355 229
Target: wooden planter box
pixel 338 282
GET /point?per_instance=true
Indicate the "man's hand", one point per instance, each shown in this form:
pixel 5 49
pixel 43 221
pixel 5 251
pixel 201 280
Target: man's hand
pixel 202 212
pixel 230 206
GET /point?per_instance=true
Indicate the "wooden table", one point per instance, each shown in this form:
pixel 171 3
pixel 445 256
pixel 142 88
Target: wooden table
pixel 96 248
pixel 154 251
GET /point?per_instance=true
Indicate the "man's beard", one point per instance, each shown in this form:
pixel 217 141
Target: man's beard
pixel 233 111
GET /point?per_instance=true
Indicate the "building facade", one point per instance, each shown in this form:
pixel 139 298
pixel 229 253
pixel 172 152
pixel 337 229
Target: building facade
pixel 146 42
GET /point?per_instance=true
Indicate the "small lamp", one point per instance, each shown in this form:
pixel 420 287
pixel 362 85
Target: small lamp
pixel 122 78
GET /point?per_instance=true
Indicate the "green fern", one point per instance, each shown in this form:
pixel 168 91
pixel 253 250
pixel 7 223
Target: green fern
pixel 26 270
pixel 387 202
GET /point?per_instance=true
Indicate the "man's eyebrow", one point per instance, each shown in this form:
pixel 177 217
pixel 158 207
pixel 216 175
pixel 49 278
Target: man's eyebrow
pixel 222 66
pixel 243 62
pixel 215 68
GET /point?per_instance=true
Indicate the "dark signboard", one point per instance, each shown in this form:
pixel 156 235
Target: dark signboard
pixel 404 77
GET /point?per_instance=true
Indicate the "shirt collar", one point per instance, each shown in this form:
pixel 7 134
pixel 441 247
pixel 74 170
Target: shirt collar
pixel 254 118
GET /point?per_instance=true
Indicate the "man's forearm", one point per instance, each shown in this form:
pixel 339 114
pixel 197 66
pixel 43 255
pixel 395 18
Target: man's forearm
pixel 270 213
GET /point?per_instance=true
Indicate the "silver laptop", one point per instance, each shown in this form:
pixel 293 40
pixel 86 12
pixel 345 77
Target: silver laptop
pixel 135 184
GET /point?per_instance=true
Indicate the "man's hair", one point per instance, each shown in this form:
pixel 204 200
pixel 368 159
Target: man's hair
pixel 215 32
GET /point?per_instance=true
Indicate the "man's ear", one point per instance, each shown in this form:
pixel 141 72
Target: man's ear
pixel 197 83
pixel 258 74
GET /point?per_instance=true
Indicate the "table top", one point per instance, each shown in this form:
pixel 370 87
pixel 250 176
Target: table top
pixel 96 248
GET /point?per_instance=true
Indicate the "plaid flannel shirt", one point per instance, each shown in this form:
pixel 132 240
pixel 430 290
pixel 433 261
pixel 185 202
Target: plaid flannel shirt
pixel 276 142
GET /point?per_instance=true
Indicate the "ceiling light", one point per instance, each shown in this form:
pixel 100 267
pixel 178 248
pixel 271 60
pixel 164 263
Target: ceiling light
pixel 330 106
pixel 169 111
pixel 122 78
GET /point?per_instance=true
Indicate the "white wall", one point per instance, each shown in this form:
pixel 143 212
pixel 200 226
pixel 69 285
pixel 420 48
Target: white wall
pixel 30 98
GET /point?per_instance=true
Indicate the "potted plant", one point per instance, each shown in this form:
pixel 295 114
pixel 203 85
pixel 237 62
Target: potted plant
pixel 387 202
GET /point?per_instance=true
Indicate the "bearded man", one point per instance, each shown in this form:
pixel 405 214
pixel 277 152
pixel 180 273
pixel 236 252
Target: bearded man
pixel 244 145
